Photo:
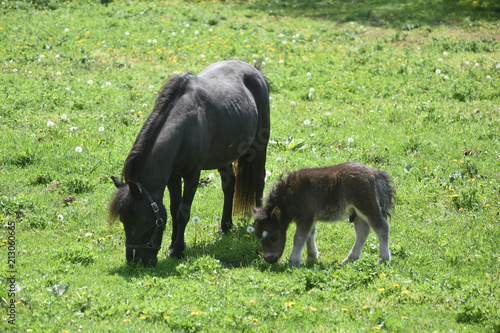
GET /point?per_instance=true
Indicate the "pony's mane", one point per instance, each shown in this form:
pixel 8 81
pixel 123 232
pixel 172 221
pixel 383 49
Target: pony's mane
pixel 153 124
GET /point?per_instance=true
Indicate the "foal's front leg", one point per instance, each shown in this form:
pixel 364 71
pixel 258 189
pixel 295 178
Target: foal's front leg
pixel 304 227
pixel 312 250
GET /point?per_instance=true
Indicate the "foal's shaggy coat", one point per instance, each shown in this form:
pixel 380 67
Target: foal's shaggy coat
pixel 330 194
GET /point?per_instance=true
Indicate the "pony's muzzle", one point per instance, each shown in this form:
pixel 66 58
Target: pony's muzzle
pixel 134 256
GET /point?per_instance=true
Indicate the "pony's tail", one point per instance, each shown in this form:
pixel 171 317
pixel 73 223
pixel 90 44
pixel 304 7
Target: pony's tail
pixel 386 192
pixel 244 189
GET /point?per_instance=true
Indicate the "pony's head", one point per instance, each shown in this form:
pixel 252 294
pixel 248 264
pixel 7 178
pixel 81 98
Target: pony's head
pixel 143 220
pixel 270 231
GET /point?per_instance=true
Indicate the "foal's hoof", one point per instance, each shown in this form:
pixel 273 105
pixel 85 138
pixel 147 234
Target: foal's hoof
pixel 346 260
pixel 178 254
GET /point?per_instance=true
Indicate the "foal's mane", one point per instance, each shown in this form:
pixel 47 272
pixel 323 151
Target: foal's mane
pixel 171 90
pixel 279 191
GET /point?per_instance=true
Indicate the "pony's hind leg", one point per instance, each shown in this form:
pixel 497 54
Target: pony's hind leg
pixel 312 250
pixel 259 169
pixel 228 180
pixel 362 230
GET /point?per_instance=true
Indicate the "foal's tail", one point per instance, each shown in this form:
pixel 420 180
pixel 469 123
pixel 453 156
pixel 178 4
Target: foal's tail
pixel 386 192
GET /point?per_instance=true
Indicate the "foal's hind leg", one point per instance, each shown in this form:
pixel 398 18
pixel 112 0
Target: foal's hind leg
pixel 362 230
pixel 381 228
pixel 228 180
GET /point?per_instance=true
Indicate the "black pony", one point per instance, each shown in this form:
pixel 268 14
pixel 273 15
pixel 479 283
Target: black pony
pixel 198 123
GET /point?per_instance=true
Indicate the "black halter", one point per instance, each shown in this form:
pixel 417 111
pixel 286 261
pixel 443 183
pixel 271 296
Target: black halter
pixel 160 224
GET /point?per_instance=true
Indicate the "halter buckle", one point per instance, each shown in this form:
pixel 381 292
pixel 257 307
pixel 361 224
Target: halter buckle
pixel 154 205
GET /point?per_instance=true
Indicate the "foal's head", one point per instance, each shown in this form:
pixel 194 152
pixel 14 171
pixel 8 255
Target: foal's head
pixel 270 232
pixel 132 205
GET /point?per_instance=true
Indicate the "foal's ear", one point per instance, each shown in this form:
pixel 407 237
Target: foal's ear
pixel 117 181
pixel 276 213
pixel 134 188
pixel 254 211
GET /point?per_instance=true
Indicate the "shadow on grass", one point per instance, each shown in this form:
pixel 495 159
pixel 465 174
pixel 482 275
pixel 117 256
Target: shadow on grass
pixel 235 250
pixel 383 13
pixel 239 249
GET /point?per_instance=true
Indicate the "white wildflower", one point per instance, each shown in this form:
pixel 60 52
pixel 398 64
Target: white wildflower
pixel 196 220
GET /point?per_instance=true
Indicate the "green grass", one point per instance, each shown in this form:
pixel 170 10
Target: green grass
pixel 411 87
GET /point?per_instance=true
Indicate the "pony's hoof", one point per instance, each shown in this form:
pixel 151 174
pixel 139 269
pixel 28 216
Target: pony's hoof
pixel 178 254
pixel 223 230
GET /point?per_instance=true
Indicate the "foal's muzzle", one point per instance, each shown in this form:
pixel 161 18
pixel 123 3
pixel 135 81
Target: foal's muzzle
pixel 271 258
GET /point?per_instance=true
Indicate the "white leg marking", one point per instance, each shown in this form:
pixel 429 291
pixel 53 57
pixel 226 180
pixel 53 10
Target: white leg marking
pixel 298 244
pixel 382 232
pixel 312 250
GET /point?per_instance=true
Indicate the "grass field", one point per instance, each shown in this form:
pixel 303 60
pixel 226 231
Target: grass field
pixel 410 87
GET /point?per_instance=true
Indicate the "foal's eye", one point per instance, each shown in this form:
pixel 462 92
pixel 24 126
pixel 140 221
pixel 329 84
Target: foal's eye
pixel 274 238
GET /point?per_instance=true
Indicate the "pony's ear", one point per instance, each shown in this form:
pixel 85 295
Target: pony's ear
pixel 117 181
pixel 276 213
pixel 134 188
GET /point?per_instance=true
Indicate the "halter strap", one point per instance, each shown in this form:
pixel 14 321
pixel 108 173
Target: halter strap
pixel 160 224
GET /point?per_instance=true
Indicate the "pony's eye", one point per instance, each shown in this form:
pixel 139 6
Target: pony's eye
pixel 274 237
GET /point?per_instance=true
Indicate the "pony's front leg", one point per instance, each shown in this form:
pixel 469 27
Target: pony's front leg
pixel 228 180
pixel 191 181
pixel 175 191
